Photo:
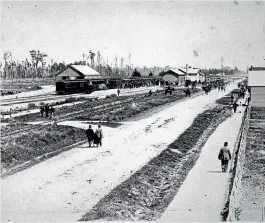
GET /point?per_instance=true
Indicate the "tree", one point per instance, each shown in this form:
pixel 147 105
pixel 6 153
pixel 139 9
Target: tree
pixel 136 73
pixel 54 68
pixel 37 57
pixel 61 67
pixel 150 74
pixel 92 56
pixel 161 73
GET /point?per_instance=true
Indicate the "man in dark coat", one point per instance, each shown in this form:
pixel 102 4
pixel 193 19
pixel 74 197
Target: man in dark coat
pixel 224 156
pixel 90 135
pixel 47 109
pixel 41 110
pixel 235 105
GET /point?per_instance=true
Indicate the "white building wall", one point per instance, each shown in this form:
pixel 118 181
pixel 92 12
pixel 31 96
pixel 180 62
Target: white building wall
pixel 258 96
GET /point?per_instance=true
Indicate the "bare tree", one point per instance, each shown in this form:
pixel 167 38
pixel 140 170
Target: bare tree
pixel 92 56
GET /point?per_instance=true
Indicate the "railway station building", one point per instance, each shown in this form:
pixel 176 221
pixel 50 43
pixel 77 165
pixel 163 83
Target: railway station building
pixel 175 76
pixel 256 82
pixel 77 72
pixel 180 75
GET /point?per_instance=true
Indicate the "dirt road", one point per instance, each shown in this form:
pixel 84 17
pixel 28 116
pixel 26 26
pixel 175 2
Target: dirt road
pixel 64 187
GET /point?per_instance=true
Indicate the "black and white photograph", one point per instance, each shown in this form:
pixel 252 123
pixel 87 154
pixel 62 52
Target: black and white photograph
pixel 132 111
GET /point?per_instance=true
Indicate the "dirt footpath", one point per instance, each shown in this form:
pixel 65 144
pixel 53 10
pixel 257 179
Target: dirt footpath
pixel 64 187
pixel 201 196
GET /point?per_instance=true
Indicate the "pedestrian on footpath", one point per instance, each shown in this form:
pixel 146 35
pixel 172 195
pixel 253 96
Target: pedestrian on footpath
pixel 225 157
pixel 118 91
pixel 235 105
pixel 98 136
pixel 90 135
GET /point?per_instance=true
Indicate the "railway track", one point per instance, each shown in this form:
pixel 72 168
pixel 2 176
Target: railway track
pixel 5 133
pixel 95 108
pixel 47 97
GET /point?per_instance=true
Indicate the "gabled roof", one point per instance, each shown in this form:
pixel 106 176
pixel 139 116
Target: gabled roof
pixel 177 72
pixel 256 78
pixel 83 70
pixel 190 70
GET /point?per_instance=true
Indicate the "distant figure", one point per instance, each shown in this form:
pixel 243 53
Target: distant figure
pixel 42 110
pixel 52 111
pixel 232 99
pixel 118 91
pixel 47 110
pixel 224 156
pixel 150 92
pixel 90 135
pixel 98 136
pixel 248 99
pixel 235 105
pixel 187 92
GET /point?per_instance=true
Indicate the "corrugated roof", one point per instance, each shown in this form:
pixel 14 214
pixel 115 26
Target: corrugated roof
pixel 190 70
pixel 86 70
pixel 176 71
pixel 256 78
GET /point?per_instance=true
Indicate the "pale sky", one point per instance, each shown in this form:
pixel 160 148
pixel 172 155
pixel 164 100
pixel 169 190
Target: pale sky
pixel 156 33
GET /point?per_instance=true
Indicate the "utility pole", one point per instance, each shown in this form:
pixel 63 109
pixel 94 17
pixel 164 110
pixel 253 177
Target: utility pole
pixel 187 71
pixel 222 66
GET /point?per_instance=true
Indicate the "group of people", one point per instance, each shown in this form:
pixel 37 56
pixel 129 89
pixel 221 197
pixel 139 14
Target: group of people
pixel 94 137
pixel 242 94
pixel 47 110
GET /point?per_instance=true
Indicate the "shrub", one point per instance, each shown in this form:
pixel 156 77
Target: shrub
pixel 41 103
pixel 111 96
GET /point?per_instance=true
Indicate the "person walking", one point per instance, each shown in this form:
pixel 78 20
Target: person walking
pixel 224 156
pixel 99 135
pixel 47 110
pixel 52 111
pixel 42 110
pixel 118 91
pixel 235 105
pixel 90 135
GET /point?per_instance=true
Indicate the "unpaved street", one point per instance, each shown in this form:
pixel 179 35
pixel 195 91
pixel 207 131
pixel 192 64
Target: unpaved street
pixel 64 187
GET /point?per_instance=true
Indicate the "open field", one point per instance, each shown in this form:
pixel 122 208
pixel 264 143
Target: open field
pixel 17 149
pixel 109 108
pixel 253 180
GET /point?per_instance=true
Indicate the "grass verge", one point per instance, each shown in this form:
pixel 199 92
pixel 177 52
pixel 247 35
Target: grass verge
pixel 24 147
pixel 147 193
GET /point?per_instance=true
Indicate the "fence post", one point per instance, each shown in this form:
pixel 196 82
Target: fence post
pixel 263 213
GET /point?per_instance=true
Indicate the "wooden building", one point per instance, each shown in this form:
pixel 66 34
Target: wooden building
pixel 175 76
pixel 256 82
pixel 75 72
pixel 193 74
